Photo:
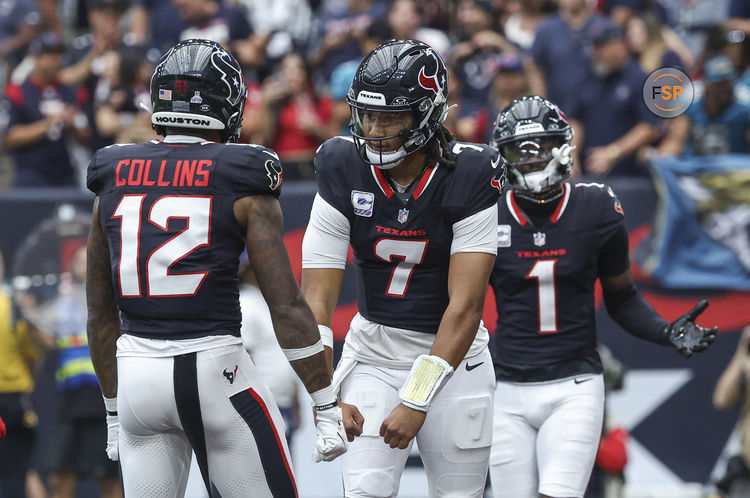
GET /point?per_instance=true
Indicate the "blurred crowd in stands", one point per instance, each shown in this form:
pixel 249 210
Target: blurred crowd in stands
pixel 76 72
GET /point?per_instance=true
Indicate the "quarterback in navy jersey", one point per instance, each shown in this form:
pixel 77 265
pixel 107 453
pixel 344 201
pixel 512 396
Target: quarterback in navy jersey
pixel 555 239
pixel 419 212
pixel 169 223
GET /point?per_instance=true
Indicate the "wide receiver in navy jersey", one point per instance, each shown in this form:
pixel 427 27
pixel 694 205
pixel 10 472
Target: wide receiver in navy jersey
pixel 554 240
pixel 419 212
pixel 169 223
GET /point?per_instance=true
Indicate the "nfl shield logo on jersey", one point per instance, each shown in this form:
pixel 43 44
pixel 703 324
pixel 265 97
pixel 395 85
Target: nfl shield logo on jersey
pixel 503 236
pixel 403 215
pixel 363 202
pixel 540 239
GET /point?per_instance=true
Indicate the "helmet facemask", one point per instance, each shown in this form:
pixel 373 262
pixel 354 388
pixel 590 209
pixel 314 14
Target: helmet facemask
pixel 379 150
pixel 531 164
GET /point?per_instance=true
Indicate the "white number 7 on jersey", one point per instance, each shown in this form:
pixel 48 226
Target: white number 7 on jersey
pixel 544 272
pixel 412 252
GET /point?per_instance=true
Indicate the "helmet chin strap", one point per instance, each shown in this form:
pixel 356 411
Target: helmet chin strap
pixel 537 186
pixel 378 158
pixel 542 197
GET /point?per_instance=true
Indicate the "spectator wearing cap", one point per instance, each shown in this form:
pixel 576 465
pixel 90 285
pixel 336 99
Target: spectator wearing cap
pixel 562 50
pixel 716 122
pixel 611 120
pixel 41 113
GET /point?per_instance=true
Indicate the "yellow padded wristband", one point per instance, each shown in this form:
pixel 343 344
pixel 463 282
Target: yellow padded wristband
pixel 427 376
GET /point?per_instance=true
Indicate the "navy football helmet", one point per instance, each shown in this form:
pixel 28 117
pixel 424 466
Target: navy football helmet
pixel 401 76
pixel 533 137
pixel 198 84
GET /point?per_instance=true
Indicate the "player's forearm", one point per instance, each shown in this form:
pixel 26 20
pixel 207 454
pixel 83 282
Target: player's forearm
pixel 102 336
pixel 634 314
pixel 295 329
pixel 728 388
pixel 103 324
pixel 468 277
pixel 456 333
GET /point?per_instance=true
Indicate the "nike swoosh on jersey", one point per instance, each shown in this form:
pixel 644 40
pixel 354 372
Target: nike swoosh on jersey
pixel 581 381
pixel 469 368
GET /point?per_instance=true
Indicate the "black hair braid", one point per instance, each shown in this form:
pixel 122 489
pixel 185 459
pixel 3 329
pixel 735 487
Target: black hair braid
pixel 439 150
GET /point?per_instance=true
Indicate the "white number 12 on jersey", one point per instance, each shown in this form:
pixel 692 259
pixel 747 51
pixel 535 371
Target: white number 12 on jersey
pixel 196 210
pixel 544 272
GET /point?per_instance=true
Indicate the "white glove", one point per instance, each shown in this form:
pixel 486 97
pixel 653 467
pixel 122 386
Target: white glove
pixel 113 428
pixel 330 442
pixel 562 154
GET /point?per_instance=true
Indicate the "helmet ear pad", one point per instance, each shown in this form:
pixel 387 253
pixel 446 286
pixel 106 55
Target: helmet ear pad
pixel 198 84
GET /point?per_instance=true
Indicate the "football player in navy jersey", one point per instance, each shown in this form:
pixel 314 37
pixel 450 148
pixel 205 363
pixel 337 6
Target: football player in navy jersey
pixel 554 240
pixel 169 222
pixel 419 212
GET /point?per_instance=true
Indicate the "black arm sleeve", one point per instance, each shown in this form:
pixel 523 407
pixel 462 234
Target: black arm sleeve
pixel 633 313
pixel 613 255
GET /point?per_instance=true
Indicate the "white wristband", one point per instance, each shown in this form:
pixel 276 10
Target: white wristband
pixel 307 351
pixel 324 399
pixel 326 335
pixel 427 376
pixel 110 404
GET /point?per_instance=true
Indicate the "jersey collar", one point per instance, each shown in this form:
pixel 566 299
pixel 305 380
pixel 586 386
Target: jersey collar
pixel 388 191
pixel 181 139
pixel 515 211
pixel 562 205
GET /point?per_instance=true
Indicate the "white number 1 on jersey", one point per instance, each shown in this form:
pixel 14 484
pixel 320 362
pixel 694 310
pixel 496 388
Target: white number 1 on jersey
pixel 544 273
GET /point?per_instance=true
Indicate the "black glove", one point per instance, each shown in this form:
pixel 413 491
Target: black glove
pixel 686 336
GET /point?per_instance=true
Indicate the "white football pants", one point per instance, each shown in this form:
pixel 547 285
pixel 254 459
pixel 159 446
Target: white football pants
pixel 454 441
pixel 213 403
pixel 546 436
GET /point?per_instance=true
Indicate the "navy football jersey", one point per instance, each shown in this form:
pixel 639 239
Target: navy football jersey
pixel 167 212
pixel 402 246
pixel 543 280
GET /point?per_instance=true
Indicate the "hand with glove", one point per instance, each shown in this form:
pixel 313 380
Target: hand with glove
pixel 330 441
pixel 113 428
pixel 686 336
pixel 562 154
